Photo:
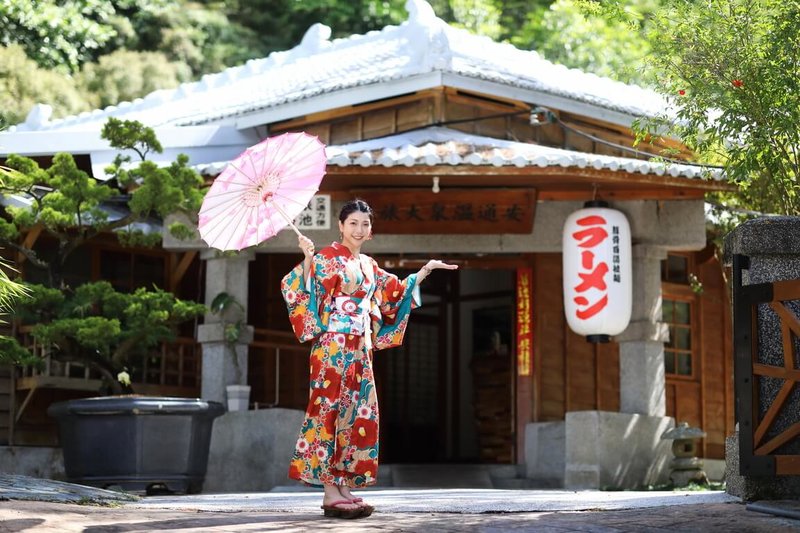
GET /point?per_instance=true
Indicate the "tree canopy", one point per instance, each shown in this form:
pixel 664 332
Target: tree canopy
pixel 735 91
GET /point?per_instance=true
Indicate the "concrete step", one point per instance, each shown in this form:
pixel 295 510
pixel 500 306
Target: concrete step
pixel 441 476
pixel 522 483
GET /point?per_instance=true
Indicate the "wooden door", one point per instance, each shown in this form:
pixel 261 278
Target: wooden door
pixel 410 395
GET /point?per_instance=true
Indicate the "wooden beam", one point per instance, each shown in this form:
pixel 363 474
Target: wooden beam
pixel 772 412
pixel 780 440
pixel 180 270
pixel 787 465
pixel 30 240
pixel 353 110
pixel 542 178
pixel 623 194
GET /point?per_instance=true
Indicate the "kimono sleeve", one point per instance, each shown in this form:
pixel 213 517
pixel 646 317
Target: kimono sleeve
pixel 395 298
pixel 308 301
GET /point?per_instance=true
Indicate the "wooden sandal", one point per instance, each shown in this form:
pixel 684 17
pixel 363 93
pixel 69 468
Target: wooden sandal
pixel 333 510
pixel 366 508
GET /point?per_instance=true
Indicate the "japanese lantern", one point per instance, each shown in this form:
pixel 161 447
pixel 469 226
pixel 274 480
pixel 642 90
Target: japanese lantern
pixel 597 271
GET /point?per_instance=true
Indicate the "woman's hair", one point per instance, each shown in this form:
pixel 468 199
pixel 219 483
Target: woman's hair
pixel 353 206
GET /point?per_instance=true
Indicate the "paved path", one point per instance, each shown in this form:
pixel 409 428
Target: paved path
pixel 31 505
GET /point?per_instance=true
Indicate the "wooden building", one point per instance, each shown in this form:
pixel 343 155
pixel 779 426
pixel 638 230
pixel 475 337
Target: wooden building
pixel 472 151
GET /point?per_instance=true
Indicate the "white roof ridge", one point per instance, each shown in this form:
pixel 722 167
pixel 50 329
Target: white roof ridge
pixel 318 65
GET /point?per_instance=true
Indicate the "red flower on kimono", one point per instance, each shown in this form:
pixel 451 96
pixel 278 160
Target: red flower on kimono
pixel 353 379
pixel 366 467
pixel 329 421
pixel 331 383
pixel 737 83
pixel 364 433
pixel 315 402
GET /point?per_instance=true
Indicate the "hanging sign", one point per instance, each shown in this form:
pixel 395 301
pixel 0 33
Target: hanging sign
pixel 464 211
pixel 317 214
pixel 597 271
pixel 524 319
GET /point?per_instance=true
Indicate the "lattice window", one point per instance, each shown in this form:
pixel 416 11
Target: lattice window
pixel 678 356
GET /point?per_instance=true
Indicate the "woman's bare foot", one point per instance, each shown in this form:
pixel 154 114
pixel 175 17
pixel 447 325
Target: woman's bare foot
pixel 334 495
pixel 345 491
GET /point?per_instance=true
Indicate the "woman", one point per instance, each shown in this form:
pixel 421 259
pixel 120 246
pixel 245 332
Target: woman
pixel 348 306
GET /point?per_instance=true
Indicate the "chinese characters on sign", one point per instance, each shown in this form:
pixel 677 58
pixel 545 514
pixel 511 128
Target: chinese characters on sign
pixel 317 214
pixel 480 211
pixel 524 327
pixel 597 272
pixel 615 257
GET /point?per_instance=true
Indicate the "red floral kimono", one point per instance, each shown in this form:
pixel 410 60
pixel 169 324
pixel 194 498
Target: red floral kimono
pixel 348 307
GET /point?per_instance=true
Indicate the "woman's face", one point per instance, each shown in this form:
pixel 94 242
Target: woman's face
pixel 355 229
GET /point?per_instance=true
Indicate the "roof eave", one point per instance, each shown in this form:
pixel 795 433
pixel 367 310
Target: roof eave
pixel 387 89
pixel 342 98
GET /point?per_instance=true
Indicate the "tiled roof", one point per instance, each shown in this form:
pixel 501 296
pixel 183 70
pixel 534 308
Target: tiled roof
pixel 414 51
pixel 442 146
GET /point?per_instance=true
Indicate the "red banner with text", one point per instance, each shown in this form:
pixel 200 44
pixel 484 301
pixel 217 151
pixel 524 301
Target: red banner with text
pixel 524 321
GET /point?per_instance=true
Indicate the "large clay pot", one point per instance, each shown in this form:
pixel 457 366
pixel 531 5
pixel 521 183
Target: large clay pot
pixel 136 443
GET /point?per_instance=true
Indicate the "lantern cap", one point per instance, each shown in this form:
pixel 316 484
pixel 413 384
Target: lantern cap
pixel 599 338
pixel 596 203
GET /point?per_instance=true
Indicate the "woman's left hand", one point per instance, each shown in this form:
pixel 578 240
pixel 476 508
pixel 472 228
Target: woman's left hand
pixel 434 264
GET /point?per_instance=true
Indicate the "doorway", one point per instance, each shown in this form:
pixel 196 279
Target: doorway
pixel 447 394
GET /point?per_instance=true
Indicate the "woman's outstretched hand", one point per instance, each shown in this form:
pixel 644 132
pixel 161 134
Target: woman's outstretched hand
pixel 306 245
pixel 431 265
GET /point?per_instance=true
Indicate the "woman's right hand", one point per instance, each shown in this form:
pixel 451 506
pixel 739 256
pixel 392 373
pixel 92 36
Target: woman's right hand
pixel 306 245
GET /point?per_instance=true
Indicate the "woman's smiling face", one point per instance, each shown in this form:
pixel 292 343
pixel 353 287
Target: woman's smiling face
pixel 355 229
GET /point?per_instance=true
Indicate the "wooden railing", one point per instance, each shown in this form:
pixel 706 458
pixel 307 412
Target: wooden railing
pixel 278 371
pixel 173 371
pixel 769 430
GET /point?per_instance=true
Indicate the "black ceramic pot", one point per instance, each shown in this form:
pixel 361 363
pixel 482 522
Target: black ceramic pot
pixel 137 443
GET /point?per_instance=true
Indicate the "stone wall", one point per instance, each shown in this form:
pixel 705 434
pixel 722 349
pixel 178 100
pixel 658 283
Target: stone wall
pixel 250 450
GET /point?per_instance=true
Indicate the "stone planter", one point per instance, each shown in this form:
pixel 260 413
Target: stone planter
pixel 139 444
pixel 238 397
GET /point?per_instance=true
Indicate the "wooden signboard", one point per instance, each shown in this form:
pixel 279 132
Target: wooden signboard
pixel 467 211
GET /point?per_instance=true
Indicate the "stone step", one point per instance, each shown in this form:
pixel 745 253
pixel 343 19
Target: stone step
pixel 441 476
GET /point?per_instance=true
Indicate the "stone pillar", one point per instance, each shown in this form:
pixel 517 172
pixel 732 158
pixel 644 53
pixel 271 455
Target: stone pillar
pixel 641 345
pixel 773 248
pixel 224 274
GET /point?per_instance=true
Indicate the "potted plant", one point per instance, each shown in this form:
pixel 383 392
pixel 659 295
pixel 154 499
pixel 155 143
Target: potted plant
pixel 138 443
pixel 232 314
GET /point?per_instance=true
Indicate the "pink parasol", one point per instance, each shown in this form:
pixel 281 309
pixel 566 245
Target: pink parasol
pixel 261 191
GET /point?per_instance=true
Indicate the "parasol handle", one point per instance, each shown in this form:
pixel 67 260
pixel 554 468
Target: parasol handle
pixel 286 217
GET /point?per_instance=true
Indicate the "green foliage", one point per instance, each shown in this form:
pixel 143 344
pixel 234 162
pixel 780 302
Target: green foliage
pixel 12 353
pixel 107 329
pixel 222 304
pixel 591 36
pixel 23 84
pixel 205 40
pixel 56 33
pixel 124 75
pixel 68 203
pixel 736 92
pixel 131 135
pixel 181 231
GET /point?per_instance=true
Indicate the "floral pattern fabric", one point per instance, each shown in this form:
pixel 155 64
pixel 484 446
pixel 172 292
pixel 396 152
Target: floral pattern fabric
pixel 347 307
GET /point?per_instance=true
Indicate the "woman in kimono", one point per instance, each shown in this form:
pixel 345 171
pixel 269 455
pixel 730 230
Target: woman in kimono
pixel 348 306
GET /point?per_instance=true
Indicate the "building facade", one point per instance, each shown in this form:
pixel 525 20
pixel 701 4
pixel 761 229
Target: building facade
pixel 474 152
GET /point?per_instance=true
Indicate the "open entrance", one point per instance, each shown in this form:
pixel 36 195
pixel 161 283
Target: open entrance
pixel 447 394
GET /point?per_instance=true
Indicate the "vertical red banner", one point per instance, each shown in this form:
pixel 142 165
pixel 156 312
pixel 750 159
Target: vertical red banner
pixel 524 321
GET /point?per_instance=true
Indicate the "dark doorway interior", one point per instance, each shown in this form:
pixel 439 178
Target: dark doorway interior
pixel 447 394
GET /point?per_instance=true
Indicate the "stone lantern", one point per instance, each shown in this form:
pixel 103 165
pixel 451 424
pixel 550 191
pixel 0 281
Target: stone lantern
pixel 686 466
